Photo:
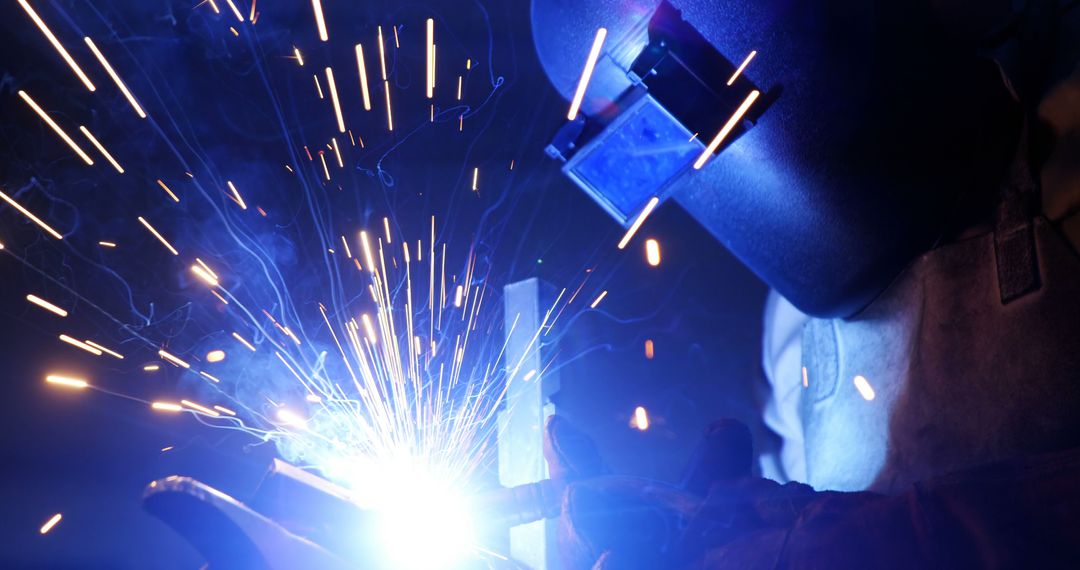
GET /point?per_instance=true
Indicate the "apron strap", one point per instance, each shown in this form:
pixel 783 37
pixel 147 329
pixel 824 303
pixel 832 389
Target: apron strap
pixel 1014 233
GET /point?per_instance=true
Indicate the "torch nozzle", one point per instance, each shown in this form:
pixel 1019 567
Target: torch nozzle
pixel 521 504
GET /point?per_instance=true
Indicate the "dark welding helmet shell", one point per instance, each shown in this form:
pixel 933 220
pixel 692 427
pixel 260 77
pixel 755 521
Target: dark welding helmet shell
pixel 888 132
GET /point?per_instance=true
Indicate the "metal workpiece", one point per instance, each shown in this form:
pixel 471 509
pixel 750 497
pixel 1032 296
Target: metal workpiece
pixel 228 533
pixel 521 423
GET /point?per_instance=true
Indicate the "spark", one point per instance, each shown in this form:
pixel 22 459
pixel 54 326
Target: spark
pixel 368 327
pixel 290 368
pixel 586 74
pixel 368 258
pixel 652 252
pixel 334 97
pixel 431 58
pixel 598 299
pixel 362 68
pixel 56 128
pixel 46 305
pixel 173 359
pixel 234 32
pixel 726 130
pixel 67 382
pixel 641 418
pixel 299 58
pixel 320 21
pixel 97 144
pixel 805 378
pixel 739 71
pixel 475 177
pixel 49 524
pixel 80 344
pixel 386 83
pixel 864 388
pixel 235 10
pixel 397 43
pixel 288 417
pixel 163 241
pixel 348 252
pixel 650 349
pixel 151 368
pixel 116 78
pixel 244 342
pixel 199 408
pixel 382 54
pixel 649 207
pixel 459 88
pixel 236 195
pixel 204 275
pixel 458 295
pixel 337 151
pixel 56 44
pixel 166 448
pixel 206 268
pixel 108 244
pixel 110 352
pixel 214 6
pixel 326 170
pixel 397 392
pixel 318 87
pixel 168 191
pixel 389 113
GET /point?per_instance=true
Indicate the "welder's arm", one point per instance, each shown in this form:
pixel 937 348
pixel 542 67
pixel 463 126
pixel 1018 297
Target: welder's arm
pixel 1017 514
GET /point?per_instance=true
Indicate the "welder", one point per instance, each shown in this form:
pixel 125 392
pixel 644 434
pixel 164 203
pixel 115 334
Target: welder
pixel 912 196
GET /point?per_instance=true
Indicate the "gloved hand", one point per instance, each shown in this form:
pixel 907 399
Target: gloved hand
pixel 626 522
pixel 1023 513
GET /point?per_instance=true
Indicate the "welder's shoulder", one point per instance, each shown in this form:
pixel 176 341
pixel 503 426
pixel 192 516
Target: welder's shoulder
pixel 1059 112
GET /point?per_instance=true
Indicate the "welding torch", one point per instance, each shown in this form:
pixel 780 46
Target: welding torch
pixel 521 504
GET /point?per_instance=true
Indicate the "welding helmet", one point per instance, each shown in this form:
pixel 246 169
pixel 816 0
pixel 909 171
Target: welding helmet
pixel 880 129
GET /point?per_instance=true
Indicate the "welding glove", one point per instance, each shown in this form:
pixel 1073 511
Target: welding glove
pixel 1021 513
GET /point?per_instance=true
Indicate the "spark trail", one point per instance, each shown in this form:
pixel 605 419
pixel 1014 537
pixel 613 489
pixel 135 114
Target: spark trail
pixel 395 363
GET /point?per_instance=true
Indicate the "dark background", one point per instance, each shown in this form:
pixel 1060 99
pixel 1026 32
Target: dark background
pixel 89 456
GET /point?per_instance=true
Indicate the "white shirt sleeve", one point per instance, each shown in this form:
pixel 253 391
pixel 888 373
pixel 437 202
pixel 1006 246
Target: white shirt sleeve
pixel 782 362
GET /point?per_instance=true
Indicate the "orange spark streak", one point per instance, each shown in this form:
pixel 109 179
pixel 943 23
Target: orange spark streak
pixel 32 217
pixel 56 128
pixel 586 74
pixel 56 44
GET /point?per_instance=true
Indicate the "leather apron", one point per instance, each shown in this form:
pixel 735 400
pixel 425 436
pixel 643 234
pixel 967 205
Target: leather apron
pixel 971 356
